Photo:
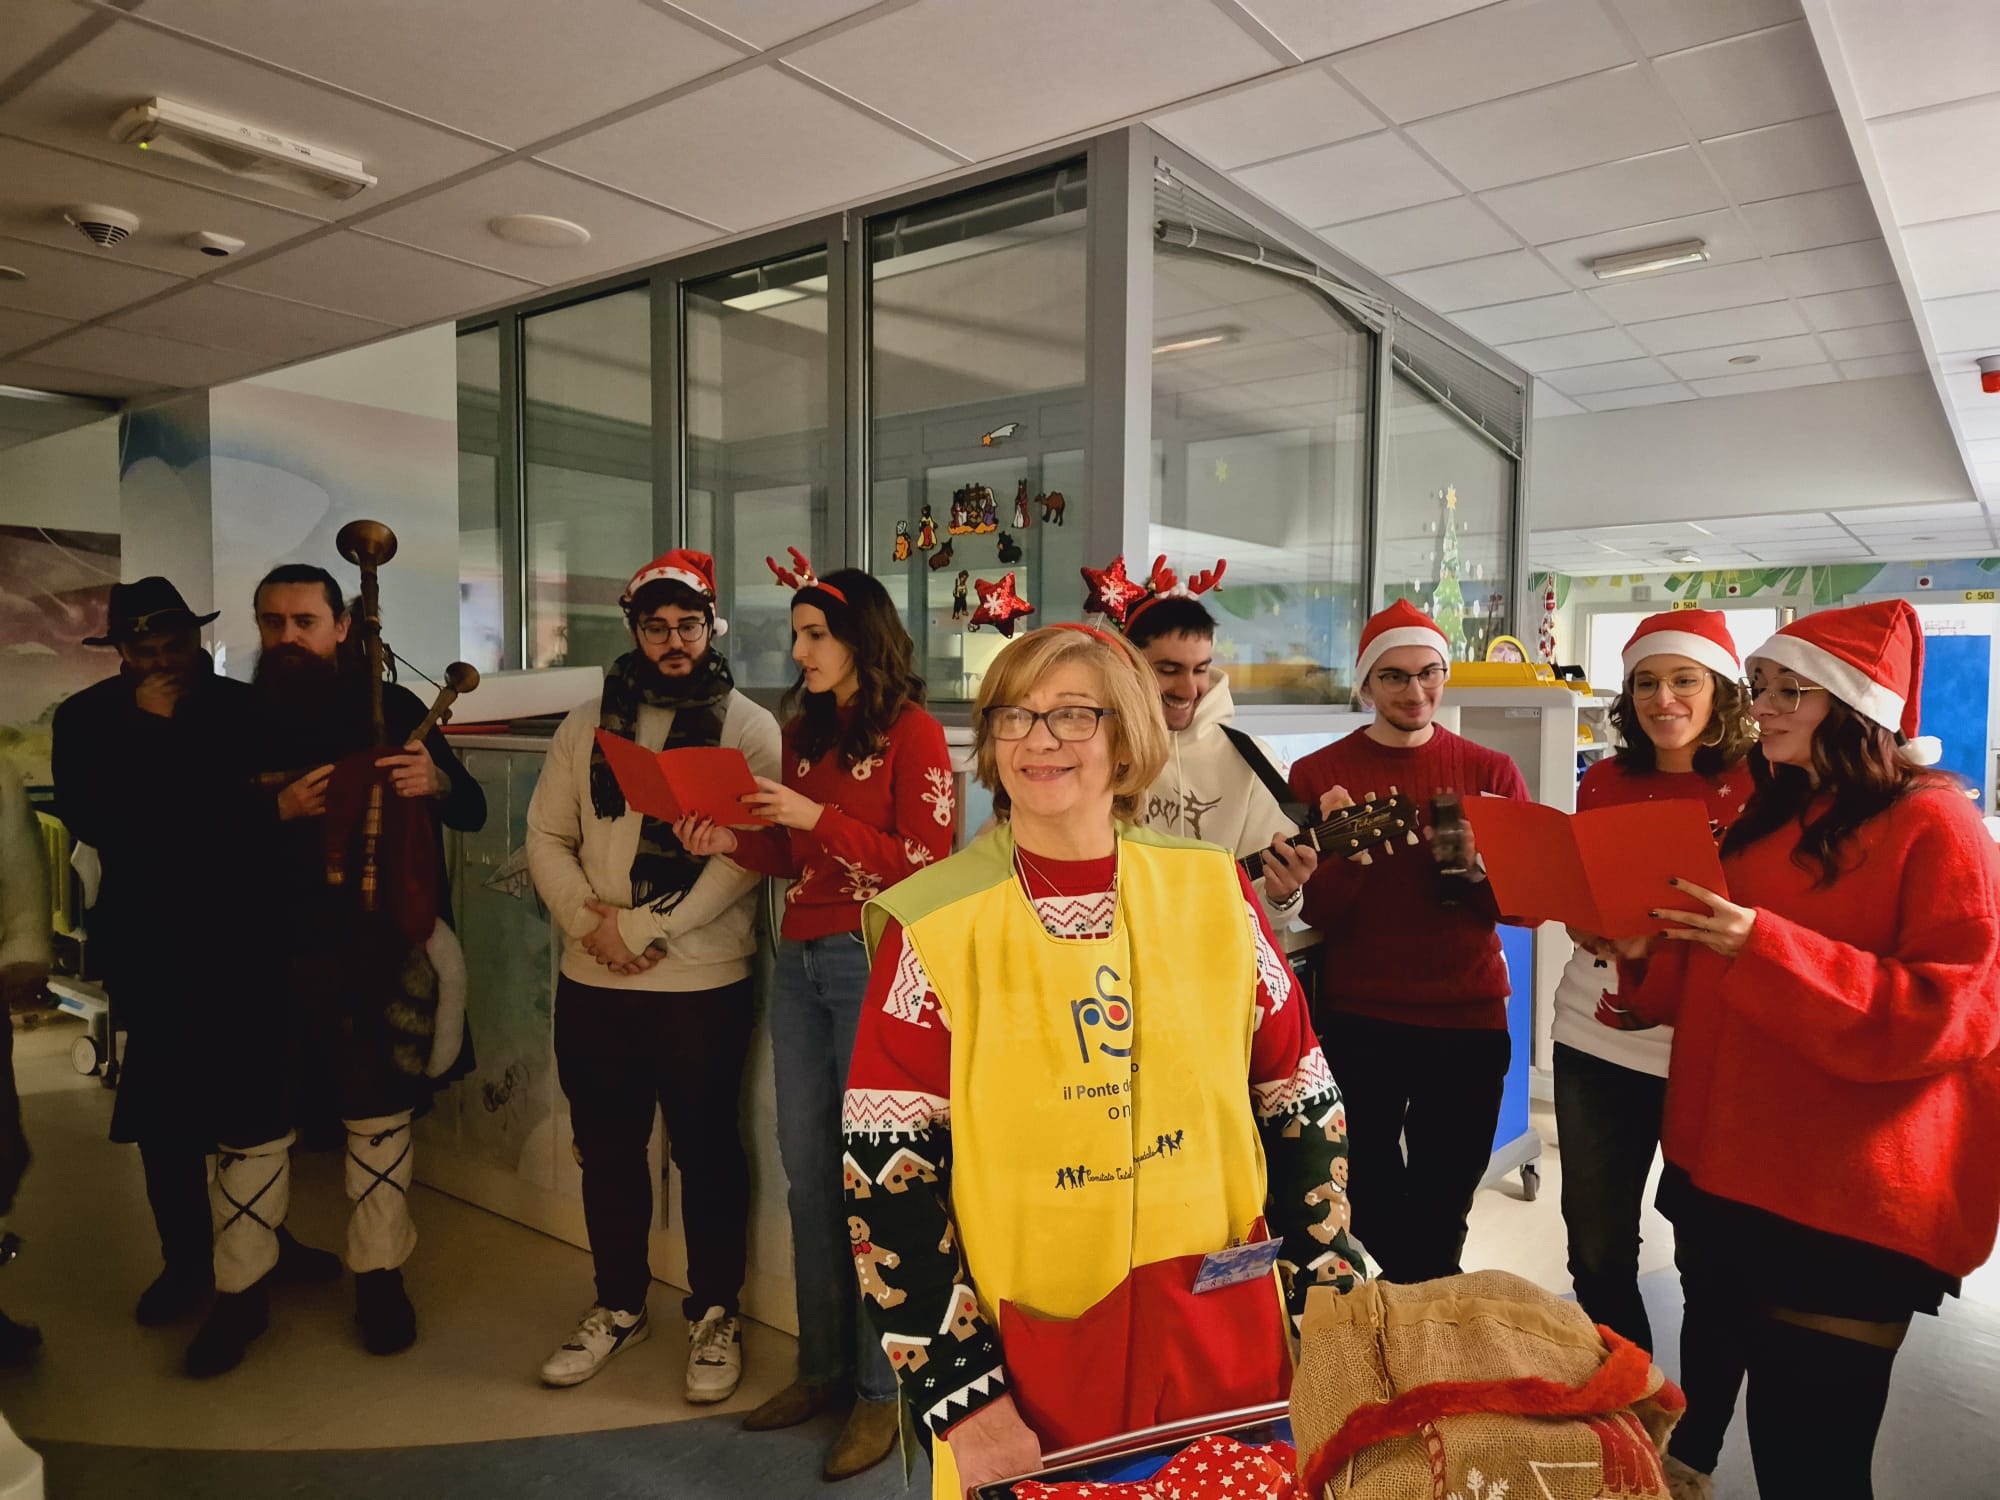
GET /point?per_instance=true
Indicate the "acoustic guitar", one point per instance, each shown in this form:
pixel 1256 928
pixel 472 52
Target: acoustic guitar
pixel 1374 822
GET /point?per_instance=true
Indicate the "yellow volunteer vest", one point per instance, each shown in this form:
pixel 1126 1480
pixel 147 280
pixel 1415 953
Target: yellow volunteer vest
pixel 1100 1104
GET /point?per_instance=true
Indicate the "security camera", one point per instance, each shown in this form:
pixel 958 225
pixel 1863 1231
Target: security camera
pixel 208 242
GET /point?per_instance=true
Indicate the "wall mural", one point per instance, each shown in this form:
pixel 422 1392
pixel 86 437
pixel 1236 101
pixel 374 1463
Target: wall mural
pixel 54 587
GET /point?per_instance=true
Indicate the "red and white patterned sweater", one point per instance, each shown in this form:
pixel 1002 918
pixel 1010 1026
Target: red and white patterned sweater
pixel 885 816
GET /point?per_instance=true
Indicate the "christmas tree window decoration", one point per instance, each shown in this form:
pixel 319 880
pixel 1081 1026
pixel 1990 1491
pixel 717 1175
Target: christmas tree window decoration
pixel 1447 599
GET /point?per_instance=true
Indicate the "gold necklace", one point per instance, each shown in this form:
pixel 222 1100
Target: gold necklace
pixel 1025 865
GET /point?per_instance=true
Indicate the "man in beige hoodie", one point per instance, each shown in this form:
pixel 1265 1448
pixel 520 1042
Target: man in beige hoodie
pixel 655 1004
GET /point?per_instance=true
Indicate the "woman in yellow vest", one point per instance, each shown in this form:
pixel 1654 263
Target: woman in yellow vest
pixel 1083 1068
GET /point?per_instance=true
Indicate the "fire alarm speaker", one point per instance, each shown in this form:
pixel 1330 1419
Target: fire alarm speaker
pixel 1989 374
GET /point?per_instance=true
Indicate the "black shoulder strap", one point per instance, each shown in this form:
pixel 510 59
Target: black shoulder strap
pixel 1253 756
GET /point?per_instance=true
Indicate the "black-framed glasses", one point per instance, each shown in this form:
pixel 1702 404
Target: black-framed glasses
pixel 1785 693
pixel 655 632
pixel 1395 680
pixel 1073 722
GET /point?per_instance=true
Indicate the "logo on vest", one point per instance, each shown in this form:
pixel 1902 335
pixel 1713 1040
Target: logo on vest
pixel 1103 1018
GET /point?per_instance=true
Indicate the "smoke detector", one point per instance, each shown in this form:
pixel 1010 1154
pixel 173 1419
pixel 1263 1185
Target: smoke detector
pixel 103 227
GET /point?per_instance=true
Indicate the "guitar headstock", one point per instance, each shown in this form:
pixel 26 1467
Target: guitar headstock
pixel 1373 822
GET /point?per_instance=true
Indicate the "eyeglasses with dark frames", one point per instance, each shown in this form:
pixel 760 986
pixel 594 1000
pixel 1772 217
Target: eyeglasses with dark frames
pixel 655 632
pixel 1072 723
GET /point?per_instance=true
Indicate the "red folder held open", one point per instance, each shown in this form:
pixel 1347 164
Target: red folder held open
pixel 1601 871
pixel 671 784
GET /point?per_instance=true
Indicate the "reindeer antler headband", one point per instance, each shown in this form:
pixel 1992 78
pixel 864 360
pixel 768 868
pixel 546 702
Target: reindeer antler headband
pixel 801 576
pixel 1113 593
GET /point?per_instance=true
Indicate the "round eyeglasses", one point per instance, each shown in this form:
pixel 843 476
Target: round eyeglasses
pixel 1682 685
pixel 1785 694
pixel 655 632
pixel 1395 681
pixel 1073 722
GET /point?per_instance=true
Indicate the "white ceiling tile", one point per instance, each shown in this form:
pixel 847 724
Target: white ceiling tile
pixel 1721 232
pixel 1651 395
pixel 1762 78
pixel 1710 330
pixel 1091 63
pixel 1571 349
pixel 1669 25
pixel 73 105
pixel 1983 422
pixel 1605 117
pixel 1353 180
pixel 1550 402
pixel 765 23
pixel 1953 257
pixel 513 76
pixel 1412 238
pixel 1868 304
pixel 139 356
pixel 35 24
pixel 31 375
pixel 1780 160
pixel 1772 354
pixel 1511 277
pixel 371 278
pixel 749 150
pixel 1878 366
pixel 1624 375
pixel 1938 164
pixel 20 329
pixel 1835 268
pixel 1805 221
pixel 229 318
pixel 1703 289
pixel 1295 111
pixel 1665 184
pixel 1968 511
pixel 1767 380
pixel 1484 54
pixel 1846 344
pixel 1984 452
pixel 1312 28
pixel 624 232
pixel 1953 54
pixel 35 181
pixel 1542 317
pixel 78 285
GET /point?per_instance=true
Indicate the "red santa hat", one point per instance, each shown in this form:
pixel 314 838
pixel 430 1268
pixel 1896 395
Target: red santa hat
pixel 1401 624
pixel 695 569
pixel 1699 634
pixel 1870 657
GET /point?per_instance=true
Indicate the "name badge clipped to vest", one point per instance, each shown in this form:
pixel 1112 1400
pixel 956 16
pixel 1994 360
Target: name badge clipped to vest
pixel 1237 1264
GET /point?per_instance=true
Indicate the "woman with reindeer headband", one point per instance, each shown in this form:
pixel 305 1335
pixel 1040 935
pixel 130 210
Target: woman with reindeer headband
pixel 866 800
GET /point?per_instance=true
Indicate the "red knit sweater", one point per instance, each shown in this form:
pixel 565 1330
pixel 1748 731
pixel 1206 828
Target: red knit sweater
pixel 1393 952
pixel 1843 1071
pixel 884 817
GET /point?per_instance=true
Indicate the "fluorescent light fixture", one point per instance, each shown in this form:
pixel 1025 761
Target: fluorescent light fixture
pixel 221 144
pixel 1203 340
pixel 763 297
pixel 1638 262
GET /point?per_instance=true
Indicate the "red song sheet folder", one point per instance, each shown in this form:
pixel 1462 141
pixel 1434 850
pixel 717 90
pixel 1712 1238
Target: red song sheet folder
pixel 672 784
pixel 1599 871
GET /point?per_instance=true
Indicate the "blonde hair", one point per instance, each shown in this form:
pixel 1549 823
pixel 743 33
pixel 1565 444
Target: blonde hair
pixel 1138 728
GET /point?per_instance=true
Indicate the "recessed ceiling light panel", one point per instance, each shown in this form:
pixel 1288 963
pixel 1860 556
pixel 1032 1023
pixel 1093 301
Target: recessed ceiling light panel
pixel 1638 262
pixel 541 231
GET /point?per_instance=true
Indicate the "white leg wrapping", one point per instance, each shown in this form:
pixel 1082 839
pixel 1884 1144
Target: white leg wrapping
pixel 247 1200
pixel 449 960
pixel 380 1234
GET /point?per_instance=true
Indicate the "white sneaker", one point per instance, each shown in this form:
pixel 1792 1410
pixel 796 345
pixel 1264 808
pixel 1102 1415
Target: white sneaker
pixel 601 1334
pixel 715 1357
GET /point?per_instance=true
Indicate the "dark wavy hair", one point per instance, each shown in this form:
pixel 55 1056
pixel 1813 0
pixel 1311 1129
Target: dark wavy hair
pixel 868 626
pixel 1853 758
pixel 1728 718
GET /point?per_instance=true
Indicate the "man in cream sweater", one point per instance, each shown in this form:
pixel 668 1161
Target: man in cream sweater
pixel 655 1004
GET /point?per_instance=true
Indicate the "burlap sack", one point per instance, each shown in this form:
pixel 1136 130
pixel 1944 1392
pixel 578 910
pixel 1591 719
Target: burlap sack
pixel 1476 1387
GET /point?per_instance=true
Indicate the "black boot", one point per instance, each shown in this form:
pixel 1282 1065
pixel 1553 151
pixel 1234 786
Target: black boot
pixel 235 1320
pixel 303 1265
pixel 382 1310
pixel 177 1292
pixel 19 1343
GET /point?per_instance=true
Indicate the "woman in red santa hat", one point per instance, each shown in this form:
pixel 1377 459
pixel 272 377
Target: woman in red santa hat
pixel 1835 1090
pixel 1684 732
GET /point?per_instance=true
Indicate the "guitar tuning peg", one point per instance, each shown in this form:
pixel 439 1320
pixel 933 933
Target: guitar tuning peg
pixel 1367 796
pixel 1393 791
pixel 1410 837
pixel 1364 857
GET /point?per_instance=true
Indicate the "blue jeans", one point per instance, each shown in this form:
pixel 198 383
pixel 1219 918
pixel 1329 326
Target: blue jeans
pixel 816 996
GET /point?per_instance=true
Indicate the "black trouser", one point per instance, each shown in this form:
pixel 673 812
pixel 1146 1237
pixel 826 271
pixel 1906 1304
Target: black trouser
pixel 1608 1125
pixel 619 1055
pixel 177 1191
pixel 1436 1091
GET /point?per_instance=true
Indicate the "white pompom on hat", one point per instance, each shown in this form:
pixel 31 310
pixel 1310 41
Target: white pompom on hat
pixel 1870 657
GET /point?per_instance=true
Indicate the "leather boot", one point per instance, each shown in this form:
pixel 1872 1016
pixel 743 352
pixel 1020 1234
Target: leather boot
pixel 177 1292
pixel 232 1323
pixel 798 1402
pixel 867 1439
pixel 303 1265
pixel 382 1309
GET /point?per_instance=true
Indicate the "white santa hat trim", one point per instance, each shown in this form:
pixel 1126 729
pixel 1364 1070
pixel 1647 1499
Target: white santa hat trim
pixel 1840 677
pixel 1401 624
pixel 1710 654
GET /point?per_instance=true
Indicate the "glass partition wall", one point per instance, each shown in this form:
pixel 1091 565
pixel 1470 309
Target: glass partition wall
pixel 951 387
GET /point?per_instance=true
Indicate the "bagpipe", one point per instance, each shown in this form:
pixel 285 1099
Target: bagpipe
pixel 381 854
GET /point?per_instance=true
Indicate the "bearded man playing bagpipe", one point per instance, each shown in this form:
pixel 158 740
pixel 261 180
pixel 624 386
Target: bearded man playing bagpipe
pixel 365 1016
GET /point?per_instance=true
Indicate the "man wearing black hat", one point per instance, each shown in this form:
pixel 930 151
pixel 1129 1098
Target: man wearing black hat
pixel 149 770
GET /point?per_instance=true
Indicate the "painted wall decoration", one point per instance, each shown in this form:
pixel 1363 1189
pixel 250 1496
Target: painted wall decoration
pixel 54 586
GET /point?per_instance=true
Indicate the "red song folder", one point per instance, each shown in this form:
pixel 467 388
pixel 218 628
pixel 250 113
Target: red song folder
pixel 671 784
pixel 1599 871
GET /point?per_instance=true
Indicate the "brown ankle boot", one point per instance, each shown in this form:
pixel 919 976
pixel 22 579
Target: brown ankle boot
pixel 798 1402
pixel 867 1439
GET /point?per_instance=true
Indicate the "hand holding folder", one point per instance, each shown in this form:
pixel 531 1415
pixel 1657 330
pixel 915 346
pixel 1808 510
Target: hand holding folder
pixel 706 781
pixel 1603 871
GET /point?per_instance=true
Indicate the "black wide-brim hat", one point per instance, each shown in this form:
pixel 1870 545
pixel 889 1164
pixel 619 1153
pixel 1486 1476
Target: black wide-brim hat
pixel 146 607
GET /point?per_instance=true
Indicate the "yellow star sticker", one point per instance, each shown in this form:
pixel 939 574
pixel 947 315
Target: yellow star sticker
pixel 1221 471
